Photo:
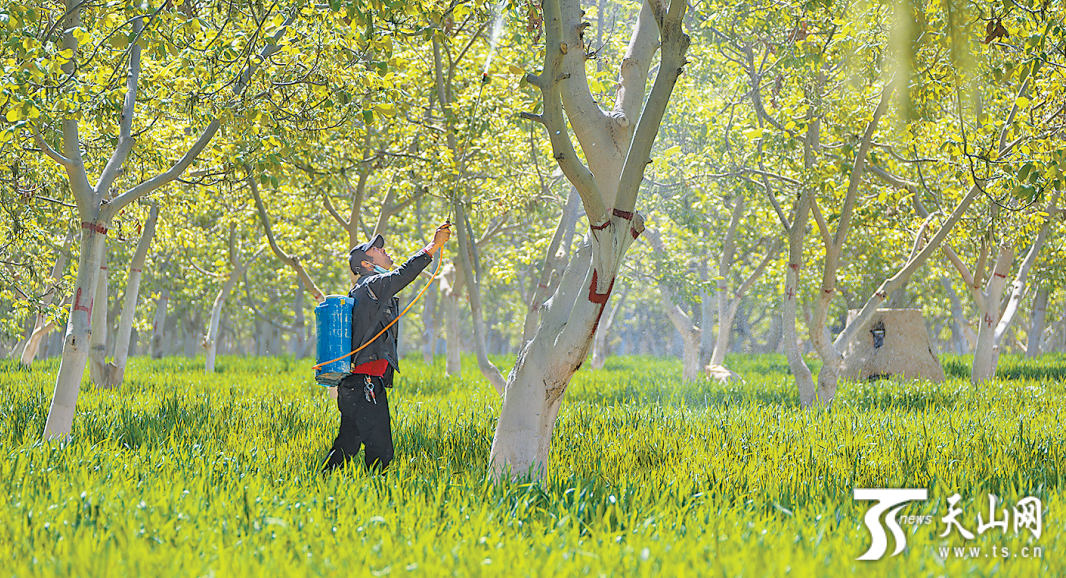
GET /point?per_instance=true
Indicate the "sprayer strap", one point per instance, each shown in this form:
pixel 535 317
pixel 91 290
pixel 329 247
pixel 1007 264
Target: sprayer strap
pixel 370 331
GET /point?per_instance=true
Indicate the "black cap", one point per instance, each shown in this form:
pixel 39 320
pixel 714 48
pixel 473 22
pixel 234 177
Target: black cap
pixel 358 254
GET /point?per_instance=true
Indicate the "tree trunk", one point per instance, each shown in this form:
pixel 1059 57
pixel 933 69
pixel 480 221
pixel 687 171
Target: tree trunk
pixel 159 324
pixel 117 372
pixel 800 371
pixel 690 334
pixel 42 326
pixel 1019 286
pixel 216 314
pixel 545 365
pixel 98 369
pixel 600 343
pixel 554 262
pixel 961 333
pixel 473 294
pixel 984 355
pixel 451 288
pixel 429 323
pixel 76 343
pixel 1036 326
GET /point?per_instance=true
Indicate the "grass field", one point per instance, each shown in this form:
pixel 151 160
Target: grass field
pixel 185 474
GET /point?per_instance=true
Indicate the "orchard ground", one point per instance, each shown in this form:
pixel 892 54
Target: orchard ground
pixel 179 473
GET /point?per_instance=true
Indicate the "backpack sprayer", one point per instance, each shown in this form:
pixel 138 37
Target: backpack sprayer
pixel 333 322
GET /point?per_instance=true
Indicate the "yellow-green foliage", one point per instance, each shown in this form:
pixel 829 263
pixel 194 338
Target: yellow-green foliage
pixel 185 474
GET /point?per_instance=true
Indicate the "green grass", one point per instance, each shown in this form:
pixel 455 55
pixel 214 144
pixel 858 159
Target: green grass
pixel 185 474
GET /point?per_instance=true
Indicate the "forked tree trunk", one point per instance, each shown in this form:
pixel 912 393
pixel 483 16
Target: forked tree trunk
pixel 690 334
pixel 1020 284
pixel 473 294
pixel 117 372
pixel 1034 340
pixel 96 207
pixel 552 266
pixel 545 365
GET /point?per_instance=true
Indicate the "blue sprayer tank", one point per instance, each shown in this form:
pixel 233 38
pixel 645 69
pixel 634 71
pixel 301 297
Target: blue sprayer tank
pixel 333 321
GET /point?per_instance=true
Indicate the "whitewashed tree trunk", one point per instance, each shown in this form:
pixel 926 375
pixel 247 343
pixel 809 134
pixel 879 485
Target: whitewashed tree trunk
pixel 76 343
pixel 984 355
pixel 473 294
pixel 42 326
pixel 1020 284
pixel 690 333
pixel 129 307
pixel 430 323
pixel 961 332
pixel 1034 340
pixel 554 262
pixel 98 369
pixel 451 288
pixel 800 371
pixel 216 313
pixel 159 324
pixel 545 365
pixel 728 305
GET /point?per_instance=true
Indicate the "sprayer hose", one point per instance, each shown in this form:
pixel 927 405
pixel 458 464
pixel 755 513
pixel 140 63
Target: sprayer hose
pixel 391 323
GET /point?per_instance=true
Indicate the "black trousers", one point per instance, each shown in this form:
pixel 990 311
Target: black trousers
pixel 362 423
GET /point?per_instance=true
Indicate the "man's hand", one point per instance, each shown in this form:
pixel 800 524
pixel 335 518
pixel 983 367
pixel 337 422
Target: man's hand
pixel 442 235
pixel 440 238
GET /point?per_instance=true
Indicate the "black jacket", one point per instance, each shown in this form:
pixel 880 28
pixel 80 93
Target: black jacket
pixel 375 298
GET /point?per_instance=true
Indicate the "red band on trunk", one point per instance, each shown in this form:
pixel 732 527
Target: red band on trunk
pixel 600 227
pixel 1001 276
pixel 599 298
pixel 77 302
pixel 135 270
pixel 627 215
pixel 96 227
pixel 633 231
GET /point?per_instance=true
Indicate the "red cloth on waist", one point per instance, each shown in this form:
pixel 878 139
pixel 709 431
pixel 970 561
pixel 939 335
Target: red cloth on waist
pixel 376 368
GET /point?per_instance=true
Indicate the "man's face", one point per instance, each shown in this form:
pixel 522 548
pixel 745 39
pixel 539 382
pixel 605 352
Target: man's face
pixel 379 257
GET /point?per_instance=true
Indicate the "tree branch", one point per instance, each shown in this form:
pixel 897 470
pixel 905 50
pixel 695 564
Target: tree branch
pixel 291 261
pixel 125 126
pixel 51 152
pixel 209 132
pixel 672 58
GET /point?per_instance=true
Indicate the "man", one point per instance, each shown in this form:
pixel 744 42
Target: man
pixel 361 396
